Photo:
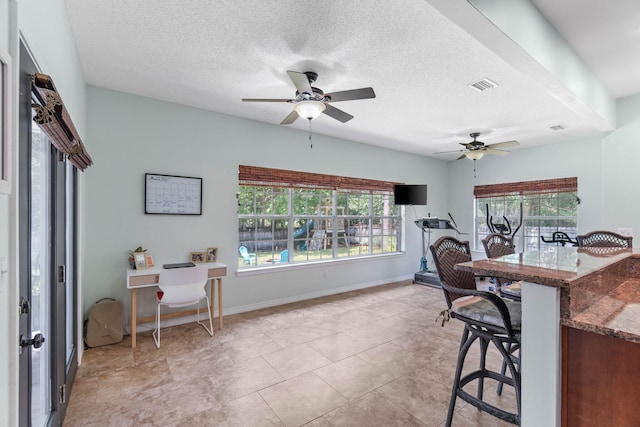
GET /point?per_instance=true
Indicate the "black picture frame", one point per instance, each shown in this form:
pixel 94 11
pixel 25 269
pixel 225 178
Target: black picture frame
pixel 172 195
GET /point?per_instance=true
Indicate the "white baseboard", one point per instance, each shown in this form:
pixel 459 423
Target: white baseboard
pixel 143 327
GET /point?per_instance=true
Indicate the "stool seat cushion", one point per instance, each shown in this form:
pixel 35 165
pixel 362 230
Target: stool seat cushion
pixel 512 290
pixel 478 308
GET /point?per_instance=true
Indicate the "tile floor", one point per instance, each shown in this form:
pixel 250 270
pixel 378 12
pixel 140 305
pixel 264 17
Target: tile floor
pixel 374 357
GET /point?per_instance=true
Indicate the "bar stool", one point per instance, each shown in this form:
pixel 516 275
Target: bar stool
pixel 495 246
pixel 487 319
pixel 603 239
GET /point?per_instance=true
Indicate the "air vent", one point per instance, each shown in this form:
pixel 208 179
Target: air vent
pixel 558 127
pixel 484 84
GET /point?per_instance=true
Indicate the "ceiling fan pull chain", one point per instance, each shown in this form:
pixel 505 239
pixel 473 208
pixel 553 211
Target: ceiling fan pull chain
pixel 310 135
pixel 474 168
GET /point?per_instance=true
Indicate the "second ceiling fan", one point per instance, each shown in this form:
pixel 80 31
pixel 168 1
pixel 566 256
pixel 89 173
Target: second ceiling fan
pixel 475 149
pixel 310 102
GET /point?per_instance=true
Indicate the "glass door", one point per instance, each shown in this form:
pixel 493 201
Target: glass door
pixel 48 339
pixel 41 284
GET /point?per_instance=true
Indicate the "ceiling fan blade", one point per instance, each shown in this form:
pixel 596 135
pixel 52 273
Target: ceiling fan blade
pixel 265 100
pixel 301 82
pixel 337 114
pixel 451 151
pixel 293 115
pixel 503 144
pixel 462 157
pixel 494 151
pixel 353 94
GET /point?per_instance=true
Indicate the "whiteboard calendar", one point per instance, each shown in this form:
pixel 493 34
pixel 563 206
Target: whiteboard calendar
pixel 172 195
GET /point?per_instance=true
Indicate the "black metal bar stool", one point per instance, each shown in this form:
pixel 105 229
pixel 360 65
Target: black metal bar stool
pixel 488 319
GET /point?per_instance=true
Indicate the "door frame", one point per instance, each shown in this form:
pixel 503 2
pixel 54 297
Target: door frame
pixel 62 370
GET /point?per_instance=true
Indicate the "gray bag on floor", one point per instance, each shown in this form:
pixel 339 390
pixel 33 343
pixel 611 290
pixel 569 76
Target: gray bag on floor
pixel 104 325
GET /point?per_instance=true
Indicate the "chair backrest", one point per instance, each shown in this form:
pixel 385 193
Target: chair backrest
pixel 447 252
pixel 244 253
pixel 497 245
pixel 183 285
pixel 284 256
pixel 605 239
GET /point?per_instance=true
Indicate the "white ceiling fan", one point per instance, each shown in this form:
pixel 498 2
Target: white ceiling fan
pixel 475 149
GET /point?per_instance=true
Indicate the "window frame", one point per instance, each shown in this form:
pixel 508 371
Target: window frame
pixel 326 210
pixel 5 122
pixel 524 191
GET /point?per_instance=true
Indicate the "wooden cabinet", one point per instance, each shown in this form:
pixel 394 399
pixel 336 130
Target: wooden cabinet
pixel 600 380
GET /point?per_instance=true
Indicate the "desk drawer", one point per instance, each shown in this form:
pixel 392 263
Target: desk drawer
pixel 217 272
pixel 148 279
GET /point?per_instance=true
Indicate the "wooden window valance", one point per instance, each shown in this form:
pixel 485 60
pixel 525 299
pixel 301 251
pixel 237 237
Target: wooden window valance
pixel 267 177
pixel 558 185
pixel 55 121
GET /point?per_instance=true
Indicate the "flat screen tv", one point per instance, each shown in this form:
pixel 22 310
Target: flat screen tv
pixel 410 194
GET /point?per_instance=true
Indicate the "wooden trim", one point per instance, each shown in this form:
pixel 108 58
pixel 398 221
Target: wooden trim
pixel 558 185
pixel 564 390
pixel 267 177
pixel 55 121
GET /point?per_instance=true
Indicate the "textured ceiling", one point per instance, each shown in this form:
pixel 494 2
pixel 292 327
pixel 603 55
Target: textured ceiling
pixel 209 55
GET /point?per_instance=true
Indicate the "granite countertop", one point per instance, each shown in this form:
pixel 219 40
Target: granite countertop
pixel 553 266
pixel 599 287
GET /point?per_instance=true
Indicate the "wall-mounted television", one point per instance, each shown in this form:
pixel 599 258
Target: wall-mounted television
pixel 410 194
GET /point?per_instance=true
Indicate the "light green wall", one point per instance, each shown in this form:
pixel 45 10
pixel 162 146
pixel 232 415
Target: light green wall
pixel 133 135
pixel 621 200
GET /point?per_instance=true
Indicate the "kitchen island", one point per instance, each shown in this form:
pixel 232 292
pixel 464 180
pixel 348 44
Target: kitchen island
pixel 580 333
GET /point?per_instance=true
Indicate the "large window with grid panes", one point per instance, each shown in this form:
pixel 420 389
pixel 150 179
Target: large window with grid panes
pixel 287 217
pixel 527 211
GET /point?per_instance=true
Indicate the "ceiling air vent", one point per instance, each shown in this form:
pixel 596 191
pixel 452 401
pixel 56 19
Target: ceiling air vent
pixel 484 84
pixel 559 127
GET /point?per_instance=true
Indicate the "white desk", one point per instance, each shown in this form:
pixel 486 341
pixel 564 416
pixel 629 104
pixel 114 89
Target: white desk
pixel 149 278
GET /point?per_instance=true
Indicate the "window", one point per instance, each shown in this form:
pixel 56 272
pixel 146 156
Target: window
pixel 546 207
pixel 289 217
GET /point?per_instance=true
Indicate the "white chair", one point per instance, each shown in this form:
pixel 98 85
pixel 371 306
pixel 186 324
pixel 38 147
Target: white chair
pixel 180 287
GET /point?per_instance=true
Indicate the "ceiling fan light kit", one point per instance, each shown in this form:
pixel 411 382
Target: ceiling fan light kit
pixel 474 155
pixel 309 109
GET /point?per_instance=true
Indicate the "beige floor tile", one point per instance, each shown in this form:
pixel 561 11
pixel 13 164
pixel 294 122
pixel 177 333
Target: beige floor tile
pixel 164 404
pixel 103 415
pixel 341 345
pixel 244 378
pixel 318 422
pixel 292 365
pixel 388 308
pixel 371 410
pixel 288 337
pixel 296 360
pixel 250 410
pixel 427 401
pixel 248 348
pixel 199 363
pixel 302 399
pixel 124 384
pixel 353 377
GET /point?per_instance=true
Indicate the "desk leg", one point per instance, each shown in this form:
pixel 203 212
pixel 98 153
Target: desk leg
pixel 133 318
pixel 220 301
pixel 213 296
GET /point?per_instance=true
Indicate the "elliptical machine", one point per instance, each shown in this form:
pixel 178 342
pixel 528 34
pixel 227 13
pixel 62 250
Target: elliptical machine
pixel 503 227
